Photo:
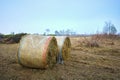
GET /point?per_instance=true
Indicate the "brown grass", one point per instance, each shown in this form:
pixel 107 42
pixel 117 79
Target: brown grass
pixel 86 63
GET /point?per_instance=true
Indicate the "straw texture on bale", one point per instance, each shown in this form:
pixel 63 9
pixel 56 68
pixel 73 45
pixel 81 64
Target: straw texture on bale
pixel 64 46
pixel 37 51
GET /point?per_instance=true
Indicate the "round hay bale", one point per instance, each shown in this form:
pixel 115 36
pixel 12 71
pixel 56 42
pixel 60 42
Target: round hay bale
pixel 37 51
pixel 64 46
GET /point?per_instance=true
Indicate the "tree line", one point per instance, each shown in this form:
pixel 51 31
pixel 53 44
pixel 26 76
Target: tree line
pixel 11 38
pixel 109 29
pixel 67 32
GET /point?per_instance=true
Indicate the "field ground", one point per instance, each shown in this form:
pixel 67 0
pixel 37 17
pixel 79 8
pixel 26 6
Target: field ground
pixel 86 63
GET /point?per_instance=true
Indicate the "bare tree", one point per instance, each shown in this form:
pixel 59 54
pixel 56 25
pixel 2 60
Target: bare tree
pixel 109 28
pixel 47 31
pixel 57 33
pixel 68 32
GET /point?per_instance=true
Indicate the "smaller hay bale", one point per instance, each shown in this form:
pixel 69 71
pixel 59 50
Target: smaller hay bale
pixel 64 46
pixel 37 51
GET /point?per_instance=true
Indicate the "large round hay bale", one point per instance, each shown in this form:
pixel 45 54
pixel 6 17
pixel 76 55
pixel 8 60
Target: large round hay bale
pixel 37 51
pixel 64 46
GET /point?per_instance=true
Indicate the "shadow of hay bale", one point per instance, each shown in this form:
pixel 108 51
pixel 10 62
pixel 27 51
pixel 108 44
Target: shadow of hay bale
pixel 64 46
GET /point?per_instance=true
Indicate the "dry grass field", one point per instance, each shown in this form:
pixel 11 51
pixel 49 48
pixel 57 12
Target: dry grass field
pixel 86 62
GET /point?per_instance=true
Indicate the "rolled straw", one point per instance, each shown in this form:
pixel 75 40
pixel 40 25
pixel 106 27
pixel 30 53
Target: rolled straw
pixel 37 51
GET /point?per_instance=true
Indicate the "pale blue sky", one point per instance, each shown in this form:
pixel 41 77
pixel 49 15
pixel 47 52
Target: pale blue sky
pixel 34 16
